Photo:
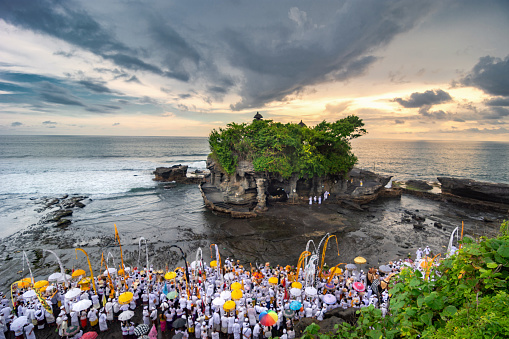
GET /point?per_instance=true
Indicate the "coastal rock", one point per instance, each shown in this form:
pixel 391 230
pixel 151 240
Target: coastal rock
pixel 484 191
pixel 418 184
pixel 256 191
pixel 176 173
pixel 331 318
pixel 57 215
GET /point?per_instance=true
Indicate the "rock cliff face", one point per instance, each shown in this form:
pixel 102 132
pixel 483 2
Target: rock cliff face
pixel 255 189
pixel 467 188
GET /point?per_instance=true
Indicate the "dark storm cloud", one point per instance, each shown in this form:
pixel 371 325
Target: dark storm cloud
pixel 47 122
pixel 77 27
pixel 16 124
pixel 428 98
pixel 491 75
pixel 116 124
pixel 134 78
pixel 282 63
pixel 57 95
pixel 496 113
pixel 397 122
pixel 498 102
pixel 440 115
pixel 217 89
pixel 95 86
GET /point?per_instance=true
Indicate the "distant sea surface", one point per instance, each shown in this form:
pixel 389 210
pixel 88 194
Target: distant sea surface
pixel 116 173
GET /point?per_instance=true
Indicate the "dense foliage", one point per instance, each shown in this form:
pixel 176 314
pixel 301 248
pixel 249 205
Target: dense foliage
pixel 465 297
pixel 286 149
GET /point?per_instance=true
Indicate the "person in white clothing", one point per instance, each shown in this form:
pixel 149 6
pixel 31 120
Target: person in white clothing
pixel 103 325
pixel 246 331
pixel 256 331
pixel 236 329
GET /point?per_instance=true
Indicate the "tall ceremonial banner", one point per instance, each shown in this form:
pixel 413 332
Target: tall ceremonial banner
pixel 43 302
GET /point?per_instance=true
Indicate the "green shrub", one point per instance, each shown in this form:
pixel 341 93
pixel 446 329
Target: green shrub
pixel 464 297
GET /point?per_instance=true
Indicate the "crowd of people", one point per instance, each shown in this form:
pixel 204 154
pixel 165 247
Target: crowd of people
pixel 204 303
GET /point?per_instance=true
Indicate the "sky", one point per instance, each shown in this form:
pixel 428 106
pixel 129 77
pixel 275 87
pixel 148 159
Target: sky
pixel 432 70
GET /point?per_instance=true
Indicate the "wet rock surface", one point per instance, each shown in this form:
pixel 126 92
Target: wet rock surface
pixel 484 191
pixel 419 184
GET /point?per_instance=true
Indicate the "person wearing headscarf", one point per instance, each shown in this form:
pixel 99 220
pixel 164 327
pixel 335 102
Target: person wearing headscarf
pixel 29 331
pixel 146 315
pixel 39 316
pixel 103 325
pixel 92 317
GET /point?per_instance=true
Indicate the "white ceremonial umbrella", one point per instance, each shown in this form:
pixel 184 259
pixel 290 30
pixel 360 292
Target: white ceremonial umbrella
pixel 218 302
pixel 385 269
pixel 329 299
pixel 296 292
pixel 226 295
pixel 81 305
pixel 18 323
pixel 61 278
pixel 126 315
pixel 311 291
pixel 351 266
pixel 54 276
pixel 229 276
pixel 72 293
pixel 112 270
pixel 29 294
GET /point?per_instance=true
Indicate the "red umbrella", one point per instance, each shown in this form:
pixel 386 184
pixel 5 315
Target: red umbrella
pixel 358 286
pixel 90 335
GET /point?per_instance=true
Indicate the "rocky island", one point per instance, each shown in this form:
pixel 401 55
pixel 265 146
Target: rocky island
pixel 254 165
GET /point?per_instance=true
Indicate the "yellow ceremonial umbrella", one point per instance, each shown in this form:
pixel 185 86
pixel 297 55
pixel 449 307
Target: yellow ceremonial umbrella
pixel 125 298
pixel 42 289
pixel 236 294
pixel 170 275
pixel 23 283
pixel 359 260
pixel 236 286
pixel 78 273
pixel 121 272
pixel 273 280
pixel 41 283
pixel 213 263
pixel 84 284
pixel 296 284
pixel 229 305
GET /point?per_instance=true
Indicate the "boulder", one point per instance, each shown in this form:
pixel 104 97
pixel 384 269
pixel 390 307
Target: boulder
pixel 419 184
pixel 467 188
pixel 176 173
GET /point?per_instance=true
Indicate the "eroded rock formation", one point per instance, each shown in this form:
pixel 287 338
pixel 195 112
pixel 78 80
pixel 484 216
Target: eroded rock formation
pixel 468 188
pixel 254 190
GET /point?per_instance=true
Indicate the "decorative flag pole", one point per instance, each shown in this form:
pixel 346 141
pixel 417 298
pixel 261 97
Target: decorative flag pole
pixel 62 270
pixel 89 266
pixel 117 237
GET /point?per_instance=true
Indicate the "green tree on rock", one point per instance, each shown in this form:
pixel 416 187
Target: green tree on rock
pixel 288 149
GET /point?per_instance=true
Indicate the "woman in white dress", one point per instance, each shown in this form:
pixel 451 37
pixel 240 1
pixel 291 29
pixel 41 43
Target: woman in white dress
pixel 103 325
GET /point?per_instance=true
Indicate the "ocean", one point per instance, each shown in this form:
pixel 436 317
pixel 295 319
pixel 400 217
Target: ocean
pixel 116 173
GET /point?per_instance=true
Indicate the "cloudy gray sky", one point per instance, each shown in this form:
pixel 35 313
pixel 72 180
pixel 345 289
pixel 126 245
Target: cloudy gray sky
pixel 410 69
